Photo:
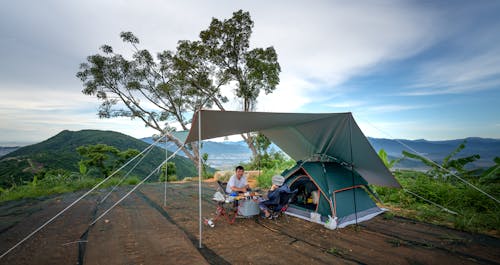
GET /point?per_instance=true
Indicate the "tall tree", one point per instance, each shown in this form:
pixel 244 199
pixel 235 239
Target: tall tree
pixel 104 157
pixel 165 90
pixel 158 92
pixel 227 45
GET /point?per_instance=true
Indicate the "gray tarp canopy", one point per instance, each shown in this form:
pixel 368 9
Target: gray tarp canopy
pixel 301 136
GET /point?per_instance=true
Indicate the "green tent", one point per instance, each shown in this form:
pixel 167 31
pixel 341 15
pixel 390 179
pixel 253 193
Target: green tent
pixel 339 160
pixel 330 189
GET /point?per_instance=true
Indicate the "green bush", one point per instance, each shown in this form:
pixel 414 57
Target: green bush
pixel 56 182
pixel 132 181
pixel 275 164
pixel 475 211
pixel 264 180
pixel 169 178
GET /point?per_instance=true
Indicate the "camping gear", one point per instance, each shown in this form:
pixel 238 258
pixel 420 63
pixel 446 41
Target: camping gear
pixel 342 193
pixel 331 223
pixel 303 136
pixel 247 208
pixel 285 198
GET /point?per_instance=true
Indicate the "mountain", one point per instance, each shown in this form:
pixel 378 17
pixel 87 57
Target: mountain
pixel 224 155
pixel 59 152
pixel 487 148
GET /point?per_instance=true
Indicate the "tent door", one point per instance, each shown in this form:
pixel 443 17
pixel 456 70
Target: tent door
pixel 308 194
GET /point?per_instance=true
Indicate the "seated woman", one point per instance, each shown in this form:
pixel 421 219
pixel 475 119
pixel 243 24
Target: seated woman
pixel 273 196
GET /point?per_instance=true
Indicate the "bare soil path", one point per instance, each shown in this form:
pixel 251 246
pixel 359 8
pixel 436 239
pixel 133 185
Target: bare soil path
pixel 141 231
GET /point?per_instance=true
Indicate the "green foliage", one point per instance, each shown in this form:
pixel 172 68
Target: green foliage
pixel 178 82
pixel 476 212
pixel 171 172
pixel 449 166
pixel 82 167
pixel 492 174
pixel 270 164
pixel 205 169
pixel 132 181
pixel 383 156
pixel 104 157
pixel 227 44
pixel 56 182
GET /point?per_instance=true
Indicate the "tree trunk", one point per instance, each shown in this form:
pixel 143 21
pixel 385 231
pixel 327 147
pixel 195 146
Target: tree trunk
pixel 192 155
pixel 249 140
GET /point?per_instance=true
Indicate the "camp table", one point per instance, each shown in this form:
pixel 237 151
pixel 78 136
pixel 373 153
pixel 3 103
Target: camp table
pixel 241 205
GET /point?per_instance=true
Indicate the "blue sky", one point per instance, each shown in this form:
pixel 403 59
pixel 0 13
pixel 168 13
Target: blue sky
pixel 405 69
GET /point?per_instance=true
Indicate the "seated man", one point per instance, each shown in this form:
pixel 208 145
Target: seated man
pixel 273 196
pixel 237 182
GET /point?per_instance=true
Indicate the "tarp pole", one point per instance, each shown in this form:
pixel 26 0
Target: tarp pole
pixel 166 172
pixel 352 171
pixel 199 174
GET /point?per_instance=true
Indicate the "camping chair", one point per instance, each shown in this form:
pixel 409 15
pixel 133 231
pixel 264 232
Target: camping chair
pixel 221 211
pixel 222 186
pixel 284 200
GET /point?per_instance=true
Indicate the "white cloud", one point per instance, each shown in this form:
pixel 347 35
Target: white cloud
pixel 469 64
pixel 319 45
pixel 291 94
pixel 394 108
pixel 452 76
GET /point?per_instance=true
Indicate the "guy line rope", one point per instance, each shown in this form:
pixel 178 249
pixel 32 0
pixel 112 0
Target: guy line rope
pixel 79 199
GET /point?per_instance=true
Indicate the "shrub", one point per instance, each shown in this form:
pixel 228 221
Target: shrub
pixel 132 180
pixel 475 211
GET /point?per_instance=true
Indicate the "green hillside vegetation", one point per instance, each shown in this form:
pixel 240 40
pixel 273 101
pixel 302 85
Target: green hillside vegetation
pixel 439 196
pixel 59 153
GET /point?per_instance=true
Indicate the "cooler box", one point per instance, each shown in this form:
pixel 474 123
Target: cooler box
pixel 248 208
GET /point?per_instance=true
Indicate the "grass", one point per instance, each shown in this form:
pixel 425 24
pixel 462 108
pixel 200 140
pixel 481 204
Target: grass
pixel 395 242
pixel 57 184
pixel 335 251
pixel 475 211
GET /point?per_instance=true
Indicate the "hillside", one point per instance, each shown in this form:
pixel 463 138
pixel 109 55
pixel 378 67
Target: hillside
pixel 59 152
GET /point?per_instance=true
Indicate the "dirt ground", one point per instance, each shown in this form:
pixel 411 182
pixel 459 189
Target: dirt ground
pixel 140 230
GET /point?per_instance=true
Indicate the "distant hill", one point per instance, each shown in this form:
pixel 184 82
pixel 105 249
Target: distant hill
pixel 225 155
pixel 438 150
pixel 59 152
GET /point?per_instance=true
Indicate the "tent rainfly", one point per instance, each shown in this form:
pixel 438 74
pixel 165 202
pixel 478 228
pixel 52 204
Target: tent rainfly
pixel 321 137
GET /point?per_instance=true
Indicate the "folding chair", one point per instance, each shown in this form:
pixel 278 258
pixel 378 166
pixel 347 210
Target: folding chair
pixel 221 210
pixel 222 187
pixel 284 201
